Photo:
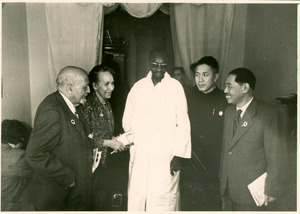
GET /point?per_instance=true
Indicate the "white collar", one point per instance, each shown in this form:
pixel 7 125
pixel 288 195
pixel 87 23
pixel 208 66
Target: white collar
pixel 69 103
pixel 244 108
pixel 166 76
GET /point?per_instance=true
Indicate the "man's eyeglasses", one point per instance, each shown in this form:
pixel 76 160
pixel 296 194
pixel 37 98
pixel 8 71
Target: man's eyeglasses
pixel 156 65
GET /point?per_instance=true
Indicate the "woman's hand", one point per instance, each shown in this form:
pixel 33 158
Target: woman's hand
pixel 115 145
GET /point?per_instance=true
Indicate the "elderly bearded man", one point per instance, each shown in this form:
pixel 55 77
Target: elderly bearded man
pixel 59 150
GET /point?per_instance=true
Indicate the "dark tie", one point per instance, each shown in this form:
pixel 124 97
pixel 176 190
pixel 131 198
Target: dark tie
pixel 236 119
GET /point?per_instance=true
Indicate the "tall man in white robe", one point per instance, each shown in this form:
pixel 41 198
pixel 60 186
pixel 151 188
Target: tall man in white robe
pixel 156 113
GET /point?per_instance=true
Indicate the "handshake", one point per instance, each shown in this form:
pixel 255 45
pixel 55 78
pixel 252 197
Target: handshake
pixel 118 144
pixel 126 140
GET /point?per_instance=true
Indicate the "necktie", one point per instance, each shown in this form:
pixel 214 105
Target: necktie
pixel 236 120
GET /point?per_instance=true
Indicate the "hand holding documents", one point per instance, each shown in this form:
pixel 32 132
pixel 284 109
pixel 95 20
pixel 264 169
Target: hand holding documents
pixel 126 139
pixel 257 189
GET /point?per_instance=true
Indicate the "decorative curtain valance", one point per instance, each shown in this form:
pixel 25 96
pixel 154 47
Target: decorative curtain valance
pixel 141 10
pixel 138 10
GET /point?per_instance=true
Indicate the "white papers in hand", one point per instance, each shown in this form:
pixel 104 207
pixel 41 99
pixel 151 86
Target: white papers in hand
pixel 257 189
pixel 125 138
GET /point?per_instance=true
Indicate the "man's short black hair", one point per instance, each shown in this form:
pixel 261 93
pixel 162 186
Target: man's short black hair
pixel 244 75
pixel 158 52
pixel 208 60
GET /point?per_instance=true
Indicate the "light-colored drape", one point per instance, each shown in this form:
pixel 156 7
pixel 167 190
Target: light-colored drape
pixel 75 32
pixel 74 36
pixel 201 30
pixel 141 10
pixel 138 10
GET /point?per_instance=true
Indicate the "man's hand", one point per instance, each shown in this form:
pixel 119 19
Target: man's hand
pixel 175 164
pixel 268 199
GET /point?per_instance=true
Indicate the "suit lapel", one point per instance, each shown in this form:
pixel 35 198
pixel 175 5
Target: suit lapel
pixel 83 122
pixel 72 119
pixel 245 123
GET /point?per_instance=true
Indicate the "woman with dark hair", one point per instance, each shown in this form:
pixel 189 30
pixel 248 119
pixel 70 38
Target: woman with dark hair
pixel 98 113
pixel 15 171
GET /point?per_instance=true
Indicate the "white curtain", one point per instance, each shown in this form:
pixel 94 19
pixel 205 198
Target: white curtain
pixel 200 30
pixel 197 30
pixel 74 36
pixel 138 10
pixel 141 10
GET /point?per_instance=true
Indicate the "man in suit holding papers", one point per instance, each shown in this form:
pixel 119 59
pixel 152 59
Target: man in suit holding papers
pixel 253 143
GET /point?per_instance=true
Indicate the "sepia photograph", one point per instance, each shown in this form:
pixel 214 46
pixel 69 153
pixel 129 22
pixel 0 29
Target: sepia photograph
pixel 149 106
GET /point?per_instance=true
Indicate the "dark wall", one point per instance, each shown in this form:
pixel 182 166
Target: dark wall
pixel 141 35
pixel 271 49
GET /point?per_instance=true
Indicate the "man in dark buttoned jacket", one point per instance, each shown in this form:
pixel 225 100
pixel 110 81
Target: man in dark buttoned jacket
pixel 258 145
pixel 59 149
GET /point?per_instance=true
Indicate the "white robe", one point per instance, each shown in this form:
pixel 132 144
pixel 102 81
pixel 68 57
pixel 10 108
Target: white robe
pixel 158 117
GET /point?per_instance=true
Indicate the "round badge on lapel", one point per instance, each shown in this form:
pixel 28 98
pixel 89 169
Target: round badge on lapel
pixel 73 122
pixel 245 124
pixel 220 113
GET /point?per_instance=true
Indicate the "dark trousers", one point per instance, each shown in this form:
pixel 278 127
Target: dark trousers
pixel 109 186
pixel 197 192
pixel 228 204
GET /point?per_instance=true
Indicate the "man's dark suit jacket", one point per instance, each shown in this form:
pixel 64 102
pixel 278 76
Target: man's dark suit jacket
pixel 258 146
pixel 60 153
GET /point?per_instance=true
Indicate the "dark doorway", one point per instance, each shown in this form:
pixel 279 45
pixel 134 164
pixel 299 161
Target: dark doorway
pixel 130 39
